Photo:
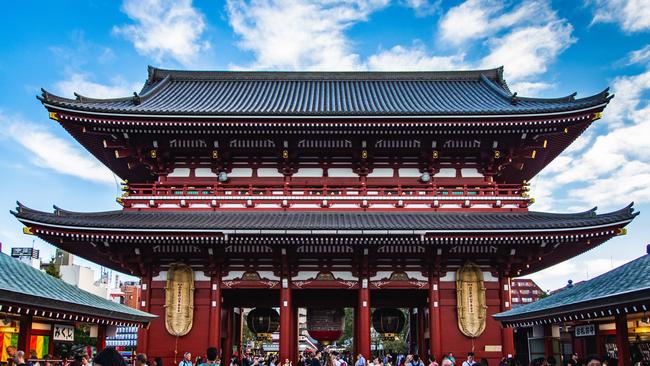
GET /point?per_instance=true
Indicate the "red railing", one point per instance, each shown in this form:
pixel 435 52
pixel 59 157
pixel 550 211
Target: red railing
pixel 285 196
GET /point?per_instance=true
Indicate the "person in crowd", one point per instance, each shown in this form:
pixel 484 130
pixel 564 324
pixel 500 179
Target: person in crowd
pixel 446 362
pixel 47 360
pixel 484 362
pixel 212 356
pixel 316 360
pixel 33 356
pixel 388 361
pixel 415 361
pixel 470 360
pixel 158 361
pixel 19 359
pixel 593 360
pixel 361 361
pixel 198 360
pixel 341 360
pixel 450 357
pixel 187 360
pixel 109 357
pixel 234 361
pixel 286 362
pixel 141 359
pixel 432 361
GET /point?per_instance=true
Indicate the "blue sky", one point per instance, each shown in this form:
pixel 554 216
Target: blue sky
pixel 548 48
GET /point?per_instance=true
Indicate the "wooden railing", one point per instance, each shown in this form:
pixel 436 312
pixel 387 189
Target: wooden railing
pixel 285 196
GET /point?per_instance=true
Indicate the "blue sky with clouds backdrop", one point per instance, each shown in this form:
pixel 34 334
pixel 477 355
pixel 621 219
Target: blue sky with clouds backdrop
pixel 548 48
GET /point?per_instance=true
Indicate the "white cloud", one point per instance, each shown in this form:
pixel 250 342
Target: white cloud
pixel 528 51
pixel 422 7
pixel 556 277
pixel 415 58
pixel 165 29
pixel 299 35
pixel 640 56
pixel 49 151
pixel 631 15
pixel 612 169
pixel 477 19
pixel 81 84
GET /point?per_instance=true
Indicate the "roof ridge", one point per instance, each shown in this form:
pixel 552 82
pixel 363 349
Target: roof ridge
pixel 157 74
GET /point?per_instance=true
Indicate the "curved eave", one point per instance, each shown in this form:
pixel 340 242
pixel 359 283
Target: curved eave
pixel 42 303
pixel 597 305
pixel 74 108
pixel 267 223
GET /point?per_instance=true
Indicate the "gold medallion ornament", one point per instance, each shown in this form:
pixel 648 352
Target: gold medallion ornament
pixel 470 299
pixel 179 299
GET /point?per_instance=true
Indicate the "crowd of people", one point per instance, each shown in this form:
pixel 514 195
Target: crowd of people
pixel 110 357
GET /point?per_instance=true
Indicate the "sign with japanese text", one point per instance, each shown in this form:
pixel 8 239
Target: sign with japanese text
pixel 585 330
pixel 63 333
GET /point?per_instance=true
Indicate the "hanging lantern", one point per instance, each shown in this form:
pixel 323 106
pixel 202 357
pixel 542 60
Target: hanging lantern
pixel 388 322
pixel 325 325
pixel 263 322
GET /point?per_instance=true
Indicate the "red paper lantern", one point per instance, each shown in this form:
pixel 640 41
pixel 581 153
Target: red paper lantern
pixel 325 325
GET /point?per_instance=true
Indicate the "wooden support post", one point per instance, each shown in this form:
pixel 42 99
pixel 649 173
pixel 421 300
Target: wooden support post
pixel 145 305
pixel 101 337
pixel 214 329
pixel 286 313
pixel 435 338
pixel 363 315
pixel 507 334
pixel 622 341
pixel 25 334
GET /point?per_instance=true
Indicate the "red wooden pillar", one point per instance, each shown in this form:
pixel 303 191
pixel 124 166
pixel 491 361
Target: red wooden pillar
pixel 25 334
pixel 363 315
pixel 507 335
pixel 227 347
pixel 548 341
pixel 421 348
pixel 101 337
pixel 145 305
pixel 622 341
pixel 286 312
pixel 435 339
pixel 214 329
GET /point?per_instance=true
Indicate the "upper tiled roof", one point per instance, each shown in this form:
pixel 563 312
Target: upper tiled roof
pixel 318 220
pixel 627 283
pixel 24 285
pixel 331 94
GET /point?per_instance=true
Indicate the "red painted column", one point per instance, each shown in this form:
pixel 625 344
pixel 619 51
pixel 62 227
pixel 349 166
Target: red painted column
pixel 507 335
pixel 214 329
pixel 294 337
pixel 101 337
pixel 227 347
pixel 421 351
pixel 25 334
pixel 622 341
pixel 286 312
pixel 145 305
pixel 363 315
pixel 435 338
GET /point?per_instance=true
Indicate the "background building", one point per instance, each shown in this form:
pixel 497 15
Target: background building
pixel 525 291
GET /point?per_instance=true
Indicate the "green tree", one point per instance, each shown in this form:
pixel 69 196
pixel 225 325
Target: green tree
pixel 52 270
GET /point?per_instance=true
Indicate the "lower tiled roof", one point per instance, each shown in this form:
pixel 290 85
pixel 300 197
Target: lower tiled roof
pixel 627 284
pixel 22 284
pixel 321 220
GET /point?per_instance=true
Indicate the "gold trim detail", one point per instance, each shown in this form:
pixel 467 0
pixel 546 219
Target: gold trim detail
pixel 27 230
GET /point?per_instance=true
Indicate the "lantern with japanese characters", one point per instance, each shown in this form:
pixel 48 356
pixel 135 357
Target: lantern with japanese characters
pixel 263 322
pixel 388 322
pixel 325 325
